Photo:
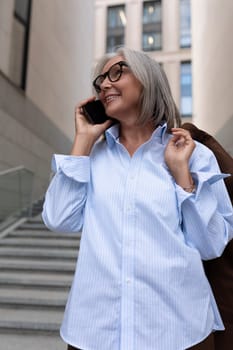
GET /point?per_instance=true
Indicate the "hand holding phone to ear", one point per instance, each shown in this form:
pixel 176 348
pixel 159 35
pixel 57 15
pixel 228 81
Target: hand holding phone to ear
pixel 95 113
pixel 87 131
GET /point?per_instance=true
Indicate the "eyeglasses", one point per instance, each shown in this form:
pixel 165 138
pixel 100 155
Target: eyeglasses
pixel 114 73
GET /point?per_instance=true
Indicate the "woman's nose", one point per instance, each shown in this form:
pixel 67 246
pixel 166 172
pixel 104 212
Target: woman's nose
pixel 106 83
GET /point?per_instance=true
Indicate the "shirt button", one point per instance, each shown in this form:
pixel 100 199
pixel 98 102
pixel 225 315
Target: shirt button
pixel 128 281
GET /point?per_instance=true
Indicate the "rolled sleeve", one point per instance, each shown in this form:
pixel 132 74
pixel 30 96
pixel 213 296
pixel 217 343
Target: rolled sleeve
pixel 202 182
pixel 66 195
pixel 75 167
pixel 202 179
pixel 206 214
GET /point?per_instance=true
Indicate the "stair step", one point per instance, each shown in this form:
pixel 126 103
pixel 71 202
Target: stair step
pixel 42 294
pixel 37 268
pixel 33 226
pixel 35 253
pixel 27 283
pixel 46 243
pixel 22 267
pixel 29 327
pixel 41 234
pixel 36 219
pixel 32 303
pixel 18 339
pixel 31 275
pixel 35 316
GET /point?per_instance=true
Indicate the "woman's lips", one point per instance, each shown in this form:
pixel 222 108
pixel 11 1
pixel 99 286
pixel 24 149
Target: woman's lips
pixel 110 98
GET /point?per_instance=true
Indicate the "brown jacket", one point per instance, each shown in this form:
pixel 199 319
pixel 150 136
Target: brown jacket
pixel 220 271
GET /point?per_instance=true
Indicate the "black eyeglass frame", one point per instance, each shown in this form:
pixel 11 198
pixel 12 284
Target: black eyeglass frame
pixel 107 74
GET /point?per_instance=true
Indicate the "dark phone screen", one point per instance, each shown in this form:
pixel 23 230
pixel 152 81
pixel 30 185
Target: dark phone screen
pixel 94 112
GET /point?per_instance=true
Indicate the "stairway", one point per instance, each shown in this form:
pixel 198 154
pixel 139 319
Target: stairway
pixel 37 268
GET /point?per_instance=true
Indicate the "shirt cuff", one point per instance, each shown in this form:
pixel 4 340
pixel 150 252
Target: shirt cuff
pixel 200 179
pixel 74 167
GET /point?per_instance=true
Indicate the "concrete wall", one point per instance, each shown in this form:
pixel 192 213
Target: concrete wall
pixel 213 68
pixel 6 23
pixel 27 137
pixel 60 56
pixel 38 122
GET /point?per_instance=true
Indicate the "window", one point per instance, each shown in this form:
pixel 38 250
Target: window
pixel 185 23
pixel 186 89
pixel 116 22
pixel 20 40
pixel 21 10
pixel 151 36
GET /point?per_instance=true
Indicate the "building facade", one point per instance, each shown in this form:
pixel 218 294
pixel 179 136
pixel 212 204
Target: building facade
pixel 45 66
pixel 191 40
pixel 162 28
pixel 48 50
pixel 212 28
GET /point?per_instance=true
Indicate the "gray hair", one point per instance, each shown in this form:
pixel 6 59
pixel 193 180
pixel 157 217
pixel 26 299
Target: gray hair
pixel 157 103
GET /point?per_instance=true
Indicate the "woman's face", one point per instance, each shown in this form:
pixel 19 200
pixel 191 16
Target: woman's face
pixel 121 98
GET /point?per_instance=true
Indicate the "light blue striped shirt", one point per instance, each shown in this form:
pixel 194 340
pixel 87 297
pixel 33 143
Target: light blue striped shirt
pixel 139 282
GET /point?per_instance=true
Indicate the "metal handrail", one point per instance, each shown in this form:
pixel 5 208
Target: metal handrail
pixel 11 170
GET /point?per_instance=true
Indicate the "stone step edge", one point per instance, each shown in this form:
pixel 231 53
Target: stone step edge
pixel 32 303
pixel 34 284
pixel 37 268
pixel 43 244
pixel 30 327
pixel 37 233
pixel 38 254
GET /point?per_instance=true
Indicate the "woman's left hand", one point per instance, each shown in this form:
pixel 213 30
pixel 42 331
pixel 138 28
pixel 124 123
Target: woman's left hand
pixel 178 152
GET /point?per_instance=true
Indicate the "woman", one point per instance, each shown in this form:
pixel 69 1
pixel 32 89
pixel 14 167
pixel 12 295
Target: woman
pixel 151 204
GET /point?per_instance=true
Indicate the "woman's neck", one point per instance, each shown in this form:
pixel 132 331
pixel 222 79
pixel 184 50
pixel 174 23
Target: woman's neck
pixel 133 136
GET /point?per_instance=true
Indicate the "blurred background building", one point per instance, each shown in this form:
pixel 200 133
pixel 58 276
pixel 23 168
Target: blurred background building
pixel 212 56
pixel 161 28
pixel 45 63
pixel 191 40
pixel 48 50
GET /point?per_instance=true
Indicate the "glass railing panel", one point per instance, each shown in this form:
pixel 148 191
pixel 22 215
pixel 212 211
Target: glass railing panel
pixel 16 186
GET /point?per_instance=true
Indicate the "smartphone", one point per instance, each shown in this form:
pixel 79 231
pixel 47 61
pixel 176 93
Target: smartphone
pixel 94 111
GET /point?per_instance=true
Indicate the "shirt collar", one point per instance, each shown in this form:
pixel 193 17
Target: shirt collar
pixel 160 132
pixel 112 134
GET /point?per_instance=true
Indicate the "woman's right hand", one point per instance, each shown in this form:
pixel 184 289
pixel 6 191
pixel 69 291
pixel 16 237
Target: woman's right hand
pixel 86 134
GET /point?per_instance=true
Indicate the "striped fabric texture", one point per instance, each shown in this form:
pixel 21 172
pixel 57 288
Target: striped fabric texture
pixel 139 282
